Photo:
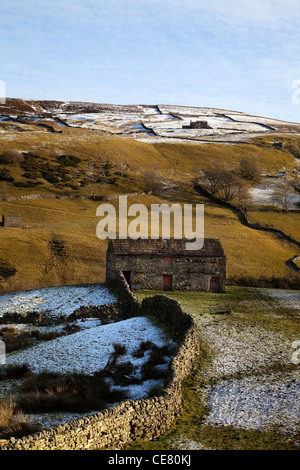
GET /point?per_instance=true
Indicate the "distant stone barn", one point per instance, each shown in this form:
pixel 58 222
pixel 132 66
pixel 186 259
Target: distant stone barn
pixel 11 220
pixel 167 265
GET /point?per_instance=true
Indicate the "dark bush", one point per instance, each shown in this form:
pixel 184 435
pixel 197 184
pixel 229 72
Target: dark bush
pixel 120 349
pixel 122 374
pixel 144 346
pixel 34 174
pixel 150 372
pixel 68 160
pixel 27 184
pixel 15 339
pixel 6 269
pixel 15 371
pixel 57 392
pixel 11 156
pixel 5 175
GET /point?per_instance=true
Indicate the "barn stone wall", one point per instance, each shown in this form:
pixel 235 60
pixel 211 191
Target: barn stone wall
pixel 188 273
pixel 147 418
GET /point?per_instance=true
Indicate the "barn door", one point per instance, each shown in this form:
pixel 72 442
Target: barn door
pixel 215 284
pixel 167 282
pixel 127 275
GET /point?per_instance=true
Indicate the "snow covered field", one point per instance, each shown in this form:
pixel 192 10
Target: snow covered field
pixel 167 121
pixel 285 299
pixel 88 351
pixel 85 351
pixel 248 389
pixel 55 301
pixel 252 404
pixel 265 194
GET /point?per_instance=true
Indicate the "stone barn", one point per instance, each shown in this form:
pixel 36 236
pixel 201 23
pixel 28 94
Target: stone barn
pixel 167 265
pixel 197 125
pixel 11 220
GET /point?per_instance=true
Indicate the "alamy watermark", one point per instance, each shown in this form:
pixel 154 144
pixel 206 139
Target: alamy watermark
pixel 296 94
pixel 2 92
pixel 136 221
pixel 296 353
pixel 2 353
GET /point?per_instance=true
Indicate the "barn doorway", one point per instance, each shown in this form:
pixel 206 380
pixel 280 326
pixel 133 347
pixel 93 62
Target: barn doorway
pixel 215 284
pixel 127 275
pixel 167 282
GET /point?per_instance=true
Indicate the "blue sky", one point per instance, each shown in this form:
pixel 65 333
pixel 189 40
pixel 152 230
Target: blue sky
pixel 239 56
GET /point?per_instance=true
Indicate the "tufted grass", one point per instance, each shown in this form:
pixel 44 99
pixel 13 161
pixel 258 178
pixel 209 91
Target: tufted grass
pixel 13 421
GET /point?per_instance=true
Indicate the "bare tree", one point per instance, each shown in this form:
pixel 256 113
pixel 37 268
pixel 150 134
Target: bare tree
pixel 248 169
pixel 210 178
pixel 229 184
pixel 94 176
pixel 244 199
pixel 222 184
pixel 283 195
pixel 152 179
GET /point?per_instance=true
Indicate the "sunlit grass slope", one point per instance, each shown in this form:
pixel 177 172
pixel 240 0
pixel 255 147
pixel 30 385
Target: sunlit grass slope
pixel 250 253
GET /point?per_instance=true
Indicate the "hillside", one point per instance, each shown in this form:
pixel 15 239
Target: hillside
pixel 150 123
pixel 59 159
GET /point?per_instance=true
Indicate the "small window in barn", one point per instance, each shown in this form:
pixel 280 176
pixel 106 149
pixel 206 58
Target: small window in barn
pixel 167 260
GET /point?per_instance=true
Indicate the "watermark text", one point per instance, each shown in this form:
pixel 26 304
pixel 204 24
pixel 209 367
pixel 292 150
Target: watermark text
pixel 162 221
pixel 2 92
pixel 2 353
pixel 296 94
pixel 296 353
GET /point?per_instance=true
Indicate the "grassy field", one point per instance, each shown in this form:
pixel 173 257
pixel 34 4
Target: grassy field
pixel 287 222
pixel 251 304
pixel 250 253
pixel 252 344
pixel 179 163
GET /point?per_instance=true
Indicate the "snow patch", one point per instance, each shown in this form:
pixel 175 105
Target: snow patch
pixel 55 301
pixel 88 351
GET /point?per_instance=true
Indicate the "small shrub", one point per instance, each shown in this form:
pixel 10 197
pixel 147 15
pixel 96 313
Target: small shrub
pixel 68 160
pixel 16 371
pixel 33 174
pixel 121 374
pixel 150 372
pixel 40 382
pixel 120 349
pixel 5 175
pixel 15 339
pixel 31 163
pixel 71 328
pixel 155 391
pixel 27 184
pixel 143 347
pixel 157 357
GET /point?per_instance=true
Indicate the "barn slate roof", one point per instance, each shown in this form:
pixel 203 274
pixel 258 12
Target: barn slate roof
pixel 212 247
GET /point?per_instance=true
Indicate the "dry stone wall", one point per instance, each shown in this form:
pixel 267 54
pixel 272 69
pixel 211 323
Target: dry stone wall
pixel 145 419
